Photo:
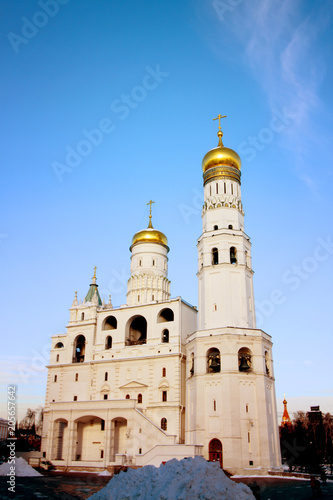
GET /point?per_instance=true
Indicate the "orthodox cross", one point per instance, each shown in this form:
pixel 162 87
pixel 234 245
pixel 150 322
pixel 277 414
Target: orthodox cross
pixel 95 271
pixel 150 203
pixel 219 119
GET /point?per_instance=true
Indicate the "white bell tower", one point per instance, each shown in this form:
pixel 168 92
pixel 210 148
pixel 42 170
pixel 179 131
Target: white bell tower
pixel 230 385
pixel 225 270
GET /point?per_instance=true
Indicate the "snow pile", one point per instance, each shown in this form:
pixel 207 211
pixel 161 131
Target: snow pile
pixel 188 479
pixel 22 468
pixel 105 473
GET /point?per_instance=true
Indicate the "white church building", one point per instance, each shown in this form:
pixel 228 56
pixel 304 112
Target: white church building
pixel 158 378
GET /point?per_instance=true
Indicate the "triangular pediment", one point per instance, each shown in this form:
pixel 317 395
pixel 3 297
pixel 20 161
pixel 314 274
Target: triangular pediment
pixel 133 385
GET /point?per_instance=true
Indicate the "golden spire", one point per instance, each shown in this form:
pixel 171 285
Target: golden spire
pixel 220 133
pixel 150 223
pixel 93 279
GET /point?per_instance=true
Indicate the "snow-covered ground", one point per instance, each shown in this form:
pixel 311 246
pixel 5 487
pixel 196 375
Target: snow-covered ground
pixel 187 479
pixel 22 468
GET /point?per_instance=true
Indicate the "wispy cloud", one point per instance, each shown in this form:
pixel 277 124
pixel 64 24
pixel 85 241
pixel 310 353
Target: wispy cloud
pixel 281 43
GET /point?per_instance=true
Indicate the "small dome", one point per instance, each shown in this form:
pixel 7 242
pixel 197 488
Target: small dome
pixel 221 156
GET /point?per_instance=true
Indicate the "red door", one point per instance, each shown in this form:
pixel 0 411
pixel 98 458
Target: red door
pixel 215 451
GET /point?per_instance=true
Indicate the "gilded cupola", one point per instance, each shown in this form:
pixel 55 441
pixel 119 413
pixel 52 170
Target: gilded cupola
pixel 221 162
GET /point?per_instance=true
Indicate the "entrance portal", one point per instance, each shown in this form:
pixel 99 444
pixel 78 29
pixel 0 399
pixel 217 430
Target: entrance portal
pixel 215 451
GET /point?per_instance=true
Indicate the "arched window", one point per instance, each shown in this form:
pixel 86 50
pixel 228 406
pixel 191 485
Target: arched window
pixel 136 331
pixel 59 345
pixel 82 316
pixel 244 360
pixel 216 227
pixel 110 323
pixel 213 360
pixel 139 398
pixel 165 336
pixel 164 424
pixel 233 255
pixel 127 396
pixel 215 256
pixel 163 372
pixel 108 342
pixel 267 363
pixel 79 349
pixel 230 226
pixel 192 364
pixel 165 315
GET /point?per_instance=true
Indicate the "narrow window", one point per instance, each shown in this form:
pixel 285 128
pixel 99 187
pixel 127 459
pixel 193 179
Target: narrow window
pixel 247 408
pixel 164 424
pixel 248 438
pixel 102 453
pixel 55 378
pixel 152 297
pixel 210 190
pixel 215 307
pixel 163 372
pixel 105 396
pixel 153 262
pixel 127 396
pixel 217 188
pixel 106 376
pixel 75 398
pixel 82 316
pixel 214 404
pixel 57 357
pixel 140 451
pixel 140 262
pixel 138 298
pixel 225 188
pixel 164 396
pixel 165 336
pixel 102 425
pixel 76 377
pixel 215 256
pixel 192 364
pixel 233 255
pixel 108 342
pixel 232 188
pixel 139 398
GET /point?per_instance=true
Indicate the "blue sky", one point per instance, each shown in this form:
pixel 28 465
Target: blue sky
pixel 150 76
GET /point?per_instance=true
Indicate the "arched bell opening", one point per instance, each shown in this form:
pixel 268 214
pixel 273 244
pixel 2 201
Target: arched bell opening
pixel 244 360
pixel 213 360
pixel 136 331
pixel 79 349
pixel 110 323
pixel 165 315
pixel 233 255
pixel 215 256
pixel 215 451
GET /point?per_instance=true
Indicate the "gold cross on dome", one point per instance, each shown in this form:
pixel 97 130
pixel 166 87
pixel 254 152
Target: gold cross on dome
pixel 150 203
pixel 219 119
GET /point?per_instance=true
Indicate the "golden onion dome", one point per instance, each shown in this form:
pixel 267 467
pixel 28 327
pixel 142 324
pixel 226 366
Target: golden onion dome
pixel 150 235
pixel 221 156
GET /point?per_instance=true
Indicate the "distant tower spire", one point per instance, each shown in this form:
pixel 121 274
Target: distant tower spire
pixel 285 417
pixel 92 289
